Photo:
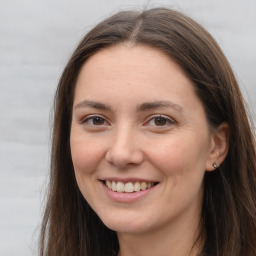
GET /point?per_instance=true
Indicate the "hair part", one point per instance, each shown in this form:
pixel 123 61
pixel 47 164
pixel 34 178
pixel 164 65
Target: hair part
pixel 70 226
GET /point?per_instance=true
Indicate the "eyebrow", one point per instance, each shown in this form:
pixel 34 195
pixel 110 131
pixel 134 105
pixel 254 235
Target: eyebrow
pixel 140 108
pixel 158 104
pixel 93 104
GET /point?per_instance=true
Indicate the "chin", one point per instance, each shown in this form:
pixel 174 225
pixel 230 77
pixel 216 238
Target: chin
pixel 126 223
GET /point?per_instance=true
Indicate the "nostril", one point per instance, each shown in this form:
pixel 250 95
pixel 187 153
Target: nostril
pixel 122 157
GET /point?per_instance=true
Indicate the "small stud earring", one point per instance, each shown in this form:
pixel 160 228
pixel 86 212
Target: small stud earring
pixel 215 165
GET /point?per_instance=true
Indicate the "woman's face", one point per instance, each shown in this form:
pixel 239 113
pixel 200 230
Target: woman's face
pixel 140 141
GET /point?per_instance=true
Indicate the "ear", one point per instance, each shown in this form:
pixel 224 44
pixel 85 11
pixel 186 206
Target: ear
pixel 219 147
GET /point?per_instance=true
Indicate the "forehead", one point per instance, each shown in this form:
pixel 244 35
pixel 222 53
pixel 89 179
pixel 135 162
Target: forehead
pixel 133 72
pixel 137 56
pixel 134 61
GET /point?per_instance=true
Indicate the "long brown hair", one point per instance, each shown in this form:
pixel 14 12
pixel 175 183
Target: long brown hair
pixel 70 226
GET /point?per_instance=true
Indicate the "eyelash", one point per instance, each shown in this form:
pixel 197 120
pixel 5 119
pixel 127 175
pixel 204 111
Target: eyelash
pixel 165 119
pixel 92 118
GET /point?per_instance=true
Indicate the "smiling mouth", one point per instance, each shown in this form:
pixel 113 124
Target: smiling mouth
pixel 128 187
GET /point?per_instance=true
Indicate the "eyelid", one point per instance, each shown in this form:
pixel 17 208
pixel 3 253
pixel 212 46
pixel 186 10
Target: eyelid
pixel 90 117
pixel 169 119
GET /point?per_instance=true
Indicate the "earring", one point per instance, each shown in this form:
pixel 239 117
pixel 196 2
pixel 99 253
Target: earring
pixel 215 165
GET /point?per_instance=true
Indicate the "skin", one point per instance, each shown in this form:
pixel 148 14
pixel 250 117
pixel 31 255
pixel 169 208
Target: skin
pixel 114 135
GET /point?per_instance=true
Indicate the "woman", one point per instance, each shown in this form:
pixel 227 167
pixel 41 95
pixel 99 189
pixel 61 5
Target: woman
pixel 152 150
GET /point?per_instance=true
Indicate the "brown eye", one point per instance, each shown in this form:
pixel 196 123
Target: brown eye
pixel 98 120
pixel 160 121
pixel 94 121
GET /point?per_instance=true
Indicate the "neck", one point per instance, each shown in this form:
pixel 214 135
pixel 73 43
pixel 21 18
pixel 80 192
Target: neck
pixel 179 240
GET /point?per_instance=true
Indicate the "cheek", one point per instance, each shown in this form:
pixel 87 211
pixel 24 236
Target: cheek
pixel 85 156
pixel 183 169
pixel 180 156
pixel 171 156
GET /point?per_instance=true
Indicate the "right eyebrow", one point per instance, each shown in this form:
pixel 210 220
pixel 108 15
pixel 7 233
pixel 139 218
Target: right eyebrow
pixel 92 104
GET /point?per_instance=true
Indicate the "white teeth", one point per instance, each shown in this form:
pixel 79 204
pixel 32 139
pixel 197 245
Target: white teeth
pixel 128 187
pixel 120 186
pixel 136 186
pixel 143 185
pixel 113 185
pixel 108 183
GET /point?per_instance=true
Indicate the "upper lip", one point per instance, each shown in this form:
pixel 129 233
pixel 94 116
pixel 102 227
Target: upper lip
pixel 126 180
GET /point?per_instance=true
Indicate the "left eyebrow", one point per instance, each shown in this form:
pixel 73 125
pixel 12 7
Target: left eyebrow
pixel 158 104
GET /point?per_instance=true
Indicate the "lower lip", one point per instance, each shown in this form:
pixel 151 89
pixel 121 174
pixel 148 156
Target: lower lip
pixel 127 197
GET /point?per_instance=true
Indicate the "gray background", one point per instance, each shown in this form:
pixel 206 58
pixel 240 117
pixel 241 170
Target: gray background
pixel 36 40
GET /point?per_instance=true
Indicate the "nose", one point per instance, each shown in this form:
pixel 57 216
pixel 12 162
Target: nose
pixel 124 149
